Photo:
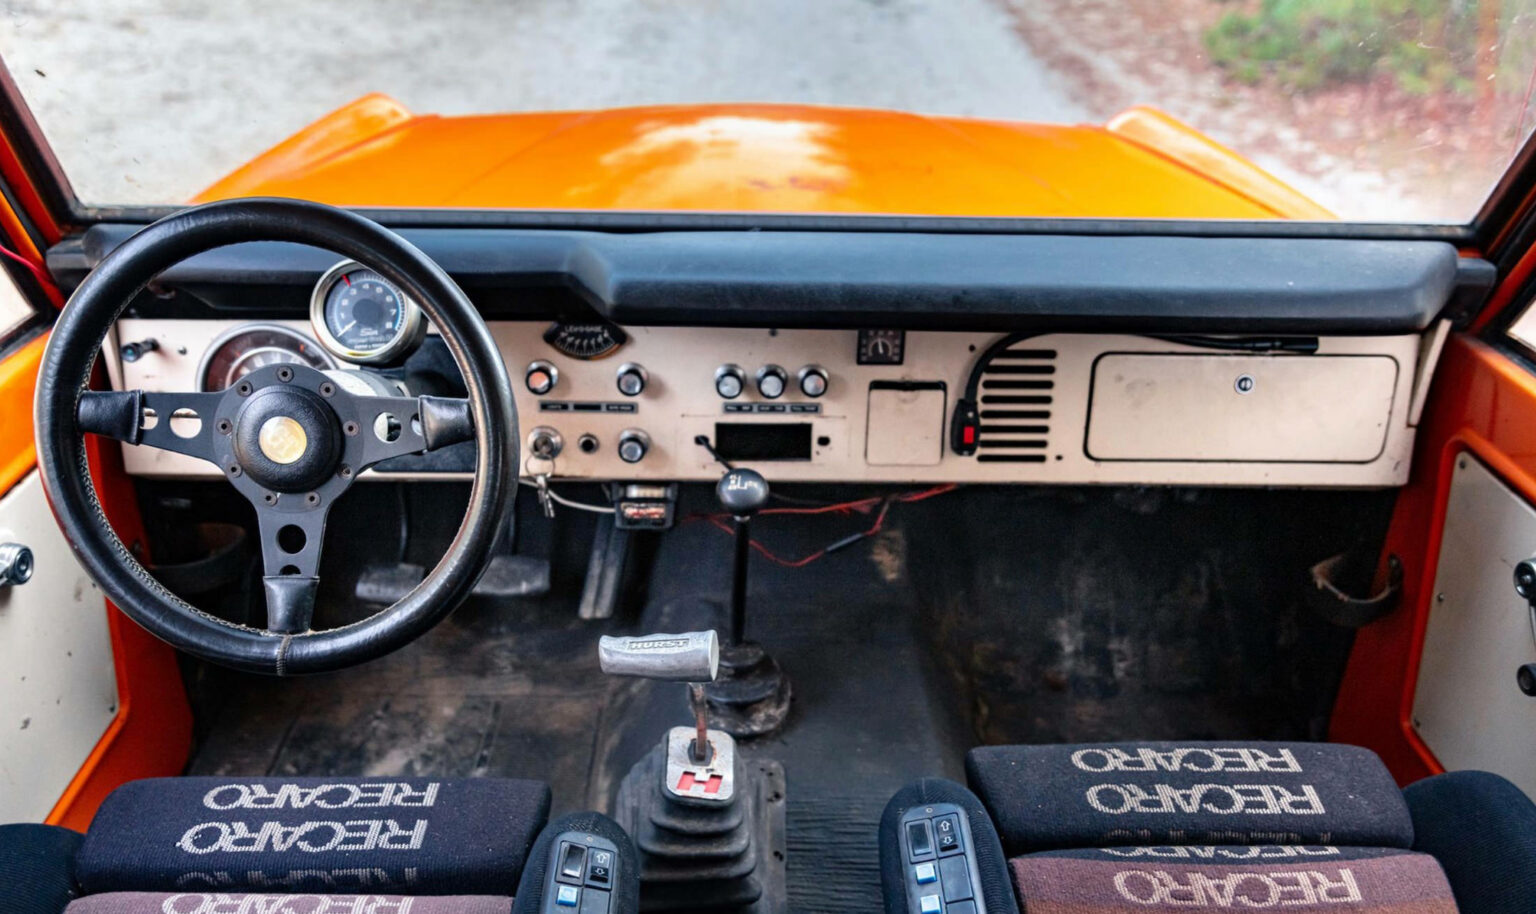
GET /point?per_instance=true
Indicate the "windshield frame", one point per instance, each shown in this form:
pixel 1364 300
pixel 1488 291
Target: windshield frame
pixel 1499 220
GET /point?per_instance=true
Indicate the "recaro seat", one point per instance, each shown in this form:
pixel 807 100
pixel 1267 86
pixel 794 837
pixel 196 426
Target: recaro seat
pixel 1203 826
pixel 427 845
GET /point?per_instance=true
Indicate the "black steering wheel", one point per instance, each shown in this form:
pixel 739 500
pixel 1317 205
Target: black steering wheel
pixel 286 436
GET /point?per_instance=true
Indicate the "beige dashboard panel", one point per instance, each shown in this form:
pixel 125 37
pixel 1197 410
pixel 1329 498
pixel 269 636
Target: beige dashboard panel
pixel 680 403
pixel 904 425
pixel 1244 408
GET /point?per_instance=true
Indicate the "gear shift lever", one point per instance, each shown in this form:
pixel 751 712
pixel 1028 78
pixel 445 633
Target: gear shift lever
pixel 751 696
pixel 693 657
pixel 708 822
pixel 743 493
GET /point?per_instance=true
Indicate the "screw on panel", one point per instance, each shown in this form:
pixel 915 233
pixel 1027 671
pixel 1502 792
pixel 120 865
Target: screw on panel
pixel 350 428
pixel 269 498
pixel 327 389
pixel 243 388
pixel 345 472
pixel 312 499
pixel 285 374
pixel 224 426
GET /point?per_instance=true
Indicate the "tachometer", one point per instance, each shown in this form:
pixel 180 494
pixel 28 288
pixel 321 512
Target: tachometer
pixel 238 352
pixel 361 316
pixel 585 341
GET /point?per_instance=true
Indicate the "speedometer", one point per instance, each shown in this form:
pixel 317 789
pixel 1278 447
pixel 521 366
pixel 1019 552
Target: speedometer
pixel 247 347
pixel 361 316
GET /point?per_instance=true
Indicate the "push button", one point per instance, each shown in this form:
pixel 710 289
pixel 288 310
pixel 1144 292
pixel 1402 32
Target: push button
pixel 600 867
pixel 963 907
pixel 925 873
pixel 595 901
pixel 567 896
pixel 957 878
pixel 919 840
pixel 947 831
pixel 930 904
pixel 573 858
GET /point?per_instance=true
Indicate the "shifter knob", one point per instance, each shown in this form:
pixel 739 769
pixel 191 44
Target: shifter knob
pixel 742 492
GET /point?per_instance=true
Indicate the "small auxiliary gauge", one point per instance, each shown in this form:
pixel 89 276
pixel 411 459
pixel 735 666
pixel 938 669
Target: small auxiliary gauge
pixel 881 347
pixel 360 316
pixel 585 341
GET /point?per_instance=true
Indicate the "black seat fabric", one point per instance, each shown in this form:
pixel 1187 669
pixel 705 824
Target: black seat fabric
pixel 1052 797
pixel 1190 826
pixel 240 903
pixel 1482 829
pixel 409 836
pixel 37 868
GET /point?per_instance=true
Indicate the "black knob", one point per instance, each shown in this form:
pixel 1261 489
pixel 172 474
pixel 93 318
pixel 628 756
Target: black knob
pixel 1525 677
pixel 132 352
pixel 729 381
pixel 633 446
pixel 771 381
pixel 742 492
pixel 1525 578
pixel 541 377
pixel 631 379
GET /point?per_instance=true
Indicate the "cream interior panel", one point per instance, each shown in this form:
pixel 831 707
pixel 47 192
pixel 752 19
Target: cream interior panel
pixel 60 691
pixel 1249 408
pixel 680 402
pixel 904 426
pixel 1466 706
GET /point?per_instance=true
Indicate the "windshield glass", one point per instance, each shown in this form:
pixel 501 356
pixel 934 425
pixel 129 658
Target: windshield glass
pixel 1365 110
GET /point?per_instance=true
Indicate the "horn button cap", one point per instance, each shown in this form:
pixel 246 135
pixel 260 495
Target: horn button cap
pixel 287 439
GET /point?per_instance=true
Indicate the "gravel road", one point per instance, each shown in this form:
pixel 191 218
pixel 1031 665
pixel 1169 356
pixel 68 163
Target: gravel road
pixel 148 101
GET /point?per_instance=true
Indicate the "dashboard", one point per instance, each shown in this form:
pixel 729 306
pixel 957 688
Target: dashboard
pixel 656 357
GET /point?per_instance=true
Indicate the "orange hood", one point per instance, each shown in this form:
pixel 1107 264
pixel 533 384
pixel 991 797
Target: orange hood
pixel 764 158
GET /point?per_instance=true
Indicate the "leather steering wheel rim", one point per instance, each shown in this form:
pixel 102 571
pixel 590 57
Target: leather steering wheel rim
pixel 82 328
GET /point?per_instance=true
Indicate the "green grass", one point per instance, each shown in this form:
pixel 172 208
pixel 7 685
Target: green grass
pixel 1425 46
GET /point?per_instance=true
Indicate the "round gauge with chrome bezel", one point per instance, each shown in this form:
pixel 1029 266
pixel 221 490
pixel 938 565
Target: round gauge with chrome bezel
pixel 242 349
pixel 362 317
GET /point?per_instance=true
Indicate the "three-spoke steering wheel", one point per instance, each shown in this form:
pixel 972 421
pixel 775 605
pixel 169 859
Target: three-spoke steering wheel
pixel 289 438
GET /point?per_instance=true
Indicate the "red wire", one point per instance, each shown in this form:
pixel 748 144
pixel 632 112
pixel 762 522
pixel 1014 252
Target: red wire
pixel 37 272
pixel 864 504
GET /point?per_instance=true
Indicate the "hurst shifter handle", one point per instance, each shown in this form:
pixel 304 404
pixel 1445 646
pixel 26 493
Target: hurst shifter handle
pixel 692 657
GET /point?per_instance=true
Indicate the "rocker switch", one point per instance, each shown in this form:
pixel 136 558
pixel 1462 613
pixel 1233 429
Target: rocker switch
pixel 573 859
pixel 920 840
pixel 947 830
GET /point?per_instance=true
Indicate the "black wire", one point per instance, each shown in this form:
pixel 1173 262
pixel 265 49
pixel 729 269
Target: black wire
pixel 1304 344
pixel 703 442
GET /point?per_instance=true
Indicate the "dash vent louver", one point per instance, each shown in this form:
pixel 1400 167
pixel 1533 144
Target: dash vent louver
pixel 1005 415
pixel 1017 390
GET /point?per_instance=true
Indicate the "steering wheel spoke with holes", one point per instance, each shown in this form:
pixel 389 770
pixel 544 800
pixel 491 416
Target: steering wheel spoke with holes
pixel 288 437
